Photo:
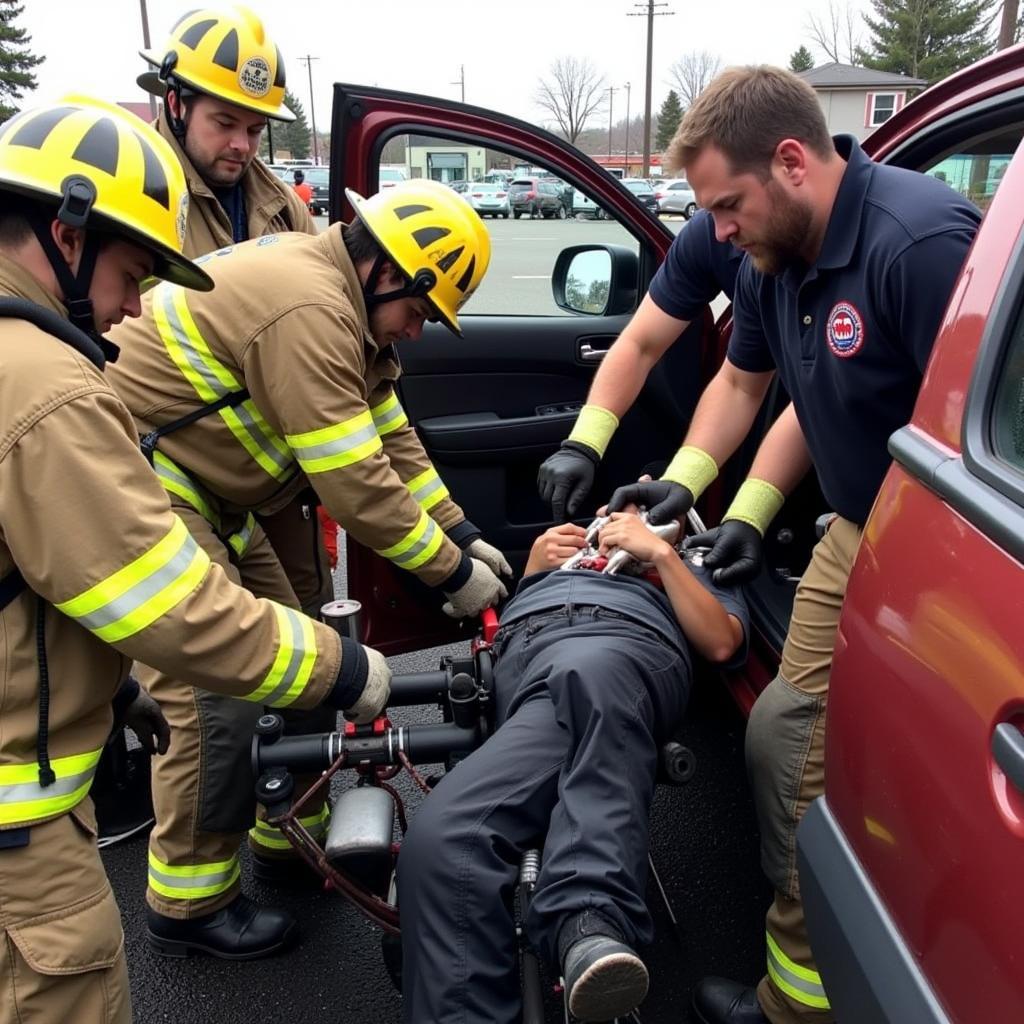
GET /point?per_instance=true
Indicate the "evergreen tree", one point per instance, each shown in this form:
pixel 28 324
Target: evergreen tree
pixel 927 39
pixel 801 60
pixel 669 116
pixel 16 61
pixel 295 137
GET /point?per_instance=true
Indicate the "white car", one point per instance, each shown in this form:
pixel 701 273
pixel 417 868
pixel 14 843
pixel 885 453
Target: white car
pixel 488 198
pixel 389 177
pixel 676 196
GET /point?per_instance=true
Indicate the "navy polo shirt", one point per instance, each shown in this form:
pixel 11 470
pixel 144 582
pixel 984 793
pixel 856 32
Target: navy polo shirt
pixel 696 268
pixel 851 335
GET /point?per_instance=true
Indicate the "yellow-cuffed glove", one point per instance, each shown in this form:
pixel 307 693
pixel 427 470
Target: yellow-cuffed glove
pixel 565 478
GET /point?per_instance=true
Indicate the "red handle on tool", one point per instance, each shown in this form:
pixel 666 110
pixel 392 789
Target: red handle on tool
pixel 489 619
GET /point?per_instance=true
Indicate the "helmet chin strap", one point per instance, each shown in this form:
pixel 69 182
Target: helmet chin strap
pixel 418 288
pixel 172 87
pixel 79 196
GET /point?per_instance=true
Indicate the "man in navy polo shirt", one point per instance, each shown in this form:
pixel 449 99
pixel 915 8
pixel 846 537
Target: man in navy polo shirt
pixel 851 265
pixel 696 268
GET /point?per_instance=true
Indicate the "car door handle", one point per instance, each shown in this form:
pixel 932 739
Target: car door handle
pixel 593 353
pixel 1008 751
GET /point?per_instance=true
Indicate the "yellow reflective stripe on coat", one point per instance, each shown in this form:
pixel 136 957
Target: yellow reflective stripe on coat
pixel 212 380
pixel 418 546
pixel 274 839
pixel 240 540
pixel 134 597
pixel 177 482
pixel 799 983
pixel 194 881
pixel 389 415
pixel 23 799
pixel 293 663
pixel 428 489
pixel 343 444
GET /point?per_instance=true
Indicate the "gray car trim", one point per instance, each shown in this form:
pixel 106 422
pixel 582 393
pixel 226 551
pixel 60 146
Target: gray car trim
pixel 866 967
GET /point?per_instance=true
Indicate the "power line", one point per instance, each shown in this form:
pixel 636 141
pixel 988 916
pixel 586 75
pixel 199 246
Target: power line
pixel 461 81
pixel 648 12
pixel 312 109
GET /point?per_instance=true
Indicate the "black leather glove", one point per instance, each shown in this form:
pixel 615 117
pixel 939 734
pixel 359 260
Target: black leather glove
pixel 144 717
pixel 736 551
pixel 565 478
pixel 664 500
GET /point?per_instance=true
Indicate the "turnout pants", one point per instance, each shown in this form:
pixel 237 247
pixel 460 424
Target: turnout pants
pixel 63 951
pixel 785 750
pixel 584 700
pixel 203 786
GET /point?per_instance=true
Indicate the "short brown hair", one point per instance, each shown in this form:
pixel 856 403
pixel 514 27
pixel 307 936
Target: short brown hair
pixel 746 112
pixel 361 245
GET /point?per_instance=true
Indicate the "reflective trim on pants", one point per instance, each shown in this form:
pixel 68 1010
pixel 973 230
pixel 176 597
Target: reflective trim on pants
pixel 274 839
pixel 193 881
pixel 799 983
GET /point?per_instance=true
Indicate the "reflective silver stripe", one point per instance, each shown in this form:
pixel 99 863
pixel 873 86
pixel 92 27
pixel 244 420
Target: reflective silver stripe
pixel 385 422
pixel 194 358
pixel 135 597
pixel 801 989
pixel 338 447
pixel 215 878
pixel 243 412
pixel 23 792
pixel 430 487
pixel 298 651
pixel 418 547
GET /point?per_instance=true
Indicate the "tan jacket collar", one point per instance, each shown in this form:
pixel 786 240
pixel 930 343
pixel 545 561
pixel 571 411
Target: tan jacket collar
pixel 15 280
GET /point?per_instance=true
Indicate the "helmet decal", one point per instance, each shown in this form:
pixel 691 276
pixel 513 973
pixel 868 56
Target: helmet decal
pixel 36 130
pixel 227 53
pixel 181 221
pixel 194 34
pixel 445 263
pixel 279 76
pixel 427 236
pixel 154 179
pixel 254 77
pixel 410 210
pixel 100 146
pixel 463 282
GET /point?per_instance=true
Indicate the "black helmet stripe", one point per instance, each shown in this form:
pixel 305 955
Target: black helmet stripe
pixel 194 34
pixel 227 53
pixel 184 17
pixel 463 282
pixel 279 77
pixel 36 131
pixel 428 236
pixel 445 263
pixel 154 178
pixel 100 146
pixel 401 212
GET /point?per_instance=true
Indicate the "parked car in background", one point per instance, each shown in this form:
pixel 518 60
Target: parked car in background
pixel 565 191
pixel 676 196
pixel 318 179
pixel 535 198
pixel 389 177
pixel 488 199
pixel 643 192
pixel 458 186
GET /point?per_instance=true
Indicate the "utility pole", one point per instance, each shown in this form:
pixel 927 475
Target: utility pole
pixel 628 87
pixel 1008 25
pixel 648 12
pixel 612 90
pixel 312 110
pixel 462 81
pixel 145 43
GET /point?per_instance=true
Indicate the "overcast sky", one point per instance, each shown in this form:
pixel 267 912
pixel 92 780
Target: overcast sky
pixel 91 45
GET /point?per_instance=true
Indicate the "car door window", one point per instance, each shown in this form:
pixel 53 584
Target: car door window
pixel 976 167
pixel 527 237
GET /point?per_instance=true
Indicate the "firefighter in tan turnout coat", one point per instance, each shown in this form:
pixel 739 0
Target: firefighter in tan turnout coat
pixel 291 362
pixel 92 202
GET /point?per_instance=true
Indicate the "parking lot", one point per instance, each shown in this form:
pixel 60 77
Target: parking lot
pixel 523 254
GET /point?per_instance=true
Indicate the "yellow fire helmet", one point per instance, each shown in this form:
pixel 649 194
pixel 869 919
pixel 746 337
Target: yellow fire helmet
pixel 434 237
pixel 226 54
pixel 100 167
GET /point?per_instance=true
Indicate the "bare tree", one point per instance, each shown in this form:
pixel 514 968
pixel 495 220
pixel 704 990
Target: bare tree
pixel 836 33
pixel 692 73
pixel 571 94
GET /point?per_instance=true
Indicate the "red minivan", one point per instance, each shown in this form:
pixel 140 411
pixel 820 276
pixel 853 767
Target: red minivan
pixel 908 863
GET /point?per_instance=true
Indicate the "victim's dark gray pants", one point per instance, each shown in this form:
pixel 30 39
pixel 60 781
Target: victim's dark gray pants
pixel 584 700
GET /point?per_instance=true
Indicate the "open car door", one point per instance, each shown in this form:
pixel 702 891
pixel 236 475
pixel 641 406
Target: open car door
pixel 491 406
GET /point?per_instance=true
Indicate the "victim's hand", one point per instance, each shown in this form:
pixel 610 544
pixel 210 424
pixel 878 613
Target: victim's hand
pixel 554 546
pixel 627 532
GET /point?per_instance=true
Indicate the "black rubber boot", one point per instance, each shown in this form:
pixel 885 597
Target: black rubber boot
pixel 240 931
pixel 720 1001
pixel 285 873
pixel 603 977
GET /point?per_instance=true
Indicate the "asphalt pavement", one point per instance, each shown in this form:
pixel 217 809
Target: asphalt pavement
pixel 703 841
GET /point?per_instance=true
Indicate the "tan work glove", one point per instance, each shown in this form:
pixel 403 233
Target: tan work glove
pixel 490 556
pixel 482 590
pixel 374 698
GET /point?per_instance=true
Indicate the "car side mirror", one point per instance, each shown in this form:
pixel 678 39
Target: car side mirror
pixel 596 280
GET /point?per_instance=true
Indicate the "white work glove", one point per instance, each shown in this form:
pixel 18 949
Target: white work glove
pixel 482 590
pixel 374 698
pixel 144 717
pixel 490 556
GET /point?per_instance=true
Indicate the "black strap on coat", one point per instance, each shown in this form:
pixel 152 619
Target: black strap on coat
pixel 150 441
